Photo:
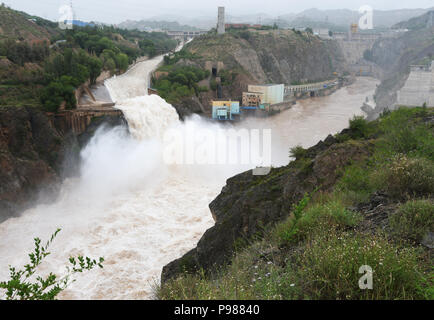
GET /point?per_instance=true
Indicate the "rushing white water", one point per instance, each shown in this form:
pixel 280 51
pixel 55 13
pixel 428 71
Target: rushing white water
pixel 136 211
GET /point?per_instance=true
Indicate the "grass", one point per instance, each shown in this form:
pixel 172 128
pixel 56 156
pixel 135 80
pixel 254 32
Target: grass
pixel 404 177
pixel 325 267
pixel 329 268
pixel 315 220
pixel 316 252
pixel 414 219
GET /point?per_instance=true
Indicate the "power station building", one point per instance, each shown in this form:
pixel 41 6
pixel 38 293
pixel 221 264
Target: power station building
pixel 268 93
pixel 226 110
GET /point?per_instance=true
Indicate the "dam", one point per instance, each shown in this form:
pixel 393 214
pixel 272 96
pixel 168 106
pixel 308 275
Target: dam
pixel 419 87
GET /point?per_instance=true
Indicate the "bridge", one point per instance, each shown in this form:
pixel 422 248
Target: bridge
pixel 184 35
pixel 310 87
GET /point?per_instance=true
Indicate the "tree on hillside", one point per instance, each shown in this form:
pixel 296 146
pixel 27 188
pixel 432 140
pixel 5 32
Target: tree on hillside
pixel 121 61
pixel 58 92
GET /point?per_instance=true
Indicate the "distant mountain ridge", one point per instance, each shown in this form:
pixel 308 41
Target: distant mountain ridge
pixel 333 19
pixel 417 23
pixel 145 25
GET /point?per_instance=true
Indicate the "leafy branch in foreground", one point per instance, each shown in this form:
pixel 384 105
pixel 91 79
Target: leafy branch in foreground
pixel 21 287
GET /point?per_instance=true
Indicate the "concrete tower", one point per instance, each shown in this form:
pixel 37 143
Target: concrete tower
pixel 430 22
pixel 221 20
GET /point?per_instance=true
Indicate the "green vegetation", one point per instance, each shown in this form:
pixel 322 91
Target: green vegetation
pixel 297 152
pixel 414 219
pixel 22 52
pixel 316 252
pixel 21 287
pixel 359 127
pixel 180 82
pixel 59 91
pixel 177 56
pixel 37 70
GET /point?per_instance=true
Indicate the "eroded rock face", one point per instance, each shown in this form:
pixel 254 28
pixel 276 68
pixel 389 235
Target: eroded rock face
pixel 30 152
pixel 248 203
pixel 188 106
pixel 35 156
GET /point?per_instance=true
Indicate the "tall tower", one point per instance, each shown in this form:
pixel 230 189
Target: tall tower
pixel 72 12
pixel 430 22
pixel 221 20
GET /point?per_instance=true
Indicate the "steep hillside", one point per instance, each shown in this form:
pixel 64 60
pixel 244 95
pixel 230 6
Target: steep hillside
pixel 416 23
pixel 362 197
pixel 278 56
pixel 242 57
pixel 21 26
pixel 41 65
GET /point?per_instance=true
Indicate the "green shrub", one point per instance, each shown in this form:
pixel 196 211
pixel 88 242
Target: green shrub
pixel 403 134
pixel 359 127
pixel 405 176
pixel 314 220
pixel 414 219
pixel 297 152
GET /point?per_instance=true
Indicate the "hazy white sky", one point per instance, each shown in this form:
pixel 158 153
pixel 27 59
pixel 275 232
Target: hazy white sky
pixel 115 11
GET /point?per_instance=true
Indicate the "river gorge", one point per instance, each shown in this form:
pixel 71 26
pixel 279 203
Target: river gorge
pixel 135 210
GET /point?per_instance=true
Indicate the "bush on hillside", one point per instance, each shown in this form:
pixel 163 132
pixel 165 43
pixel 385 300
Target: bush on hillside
pixel 413 220
pixel 406 177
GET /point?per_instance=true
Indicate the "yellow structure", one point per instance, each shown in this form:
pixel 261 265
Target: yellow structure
pixel 226 103
pixel 252 99
pixel 354 28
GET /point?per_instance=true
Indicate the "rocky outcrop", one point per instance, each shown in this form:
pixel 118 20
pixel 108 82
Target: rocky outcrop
pixel 188 106
pixel 35 155
pixel 248 203
pixel 30 153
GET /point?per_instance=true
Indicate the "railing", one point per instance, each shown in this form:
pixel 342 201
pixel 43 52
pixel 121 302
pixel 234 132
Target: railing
pixel 311 86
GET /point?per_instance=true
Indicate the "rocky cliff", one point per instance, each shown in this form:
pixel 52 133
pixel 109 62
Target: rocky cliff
pixel 35 154
pixel 278 56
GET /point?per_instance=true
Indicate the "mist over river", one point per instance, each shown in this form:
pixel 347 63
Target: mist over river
pixel 139 213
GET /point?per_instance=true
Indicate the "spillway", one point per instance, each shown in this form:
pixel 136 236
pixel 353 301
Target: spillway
pixel 135 210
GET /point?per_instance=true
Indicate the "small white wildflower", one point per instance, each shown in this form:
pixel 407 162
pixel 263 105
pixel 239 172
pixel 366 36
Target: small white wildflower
pixel 292 284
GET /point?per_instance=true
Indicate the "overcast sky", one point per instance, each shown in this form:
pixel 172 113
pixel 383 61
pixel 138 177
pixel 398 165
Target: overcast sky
pixel 115 11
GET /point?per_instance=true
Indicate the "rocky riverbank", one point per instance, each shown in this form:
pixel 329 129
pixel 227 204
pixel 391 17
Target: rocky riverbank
pixel 363 196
